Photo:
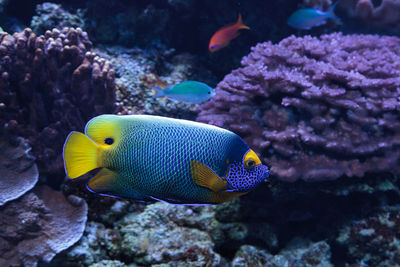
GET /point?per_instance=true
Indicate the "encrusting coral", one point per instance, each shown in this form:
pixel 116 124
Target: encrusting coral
pixel 316 108
pixel 49 85
pixel 39 225
pixel 18 170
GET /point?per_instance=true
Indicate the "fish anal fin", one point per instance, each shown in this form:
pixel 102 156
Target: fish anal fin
pixel 205 177
pixel 225 196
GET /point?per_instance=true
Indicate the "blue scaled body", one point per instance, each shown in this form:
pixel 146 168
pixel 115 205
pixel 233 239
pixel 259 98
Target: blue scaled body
pixel 150 157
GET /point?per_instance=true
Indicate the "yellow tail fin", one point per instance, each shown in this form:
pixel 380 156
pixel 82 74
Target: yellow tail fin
pixel 80 155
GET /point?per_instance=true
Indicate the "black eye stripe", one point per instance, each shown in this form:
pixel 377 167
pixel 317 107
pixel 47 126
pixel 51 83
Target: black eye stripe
pixel 109 141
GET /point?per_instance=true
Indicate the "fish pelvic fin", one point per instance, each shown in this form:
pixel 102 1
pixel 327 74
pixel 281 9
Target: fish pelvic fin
pixel 104 182
pixel 159 92
pixel 81 155
pixel 205 177
pixel 240 24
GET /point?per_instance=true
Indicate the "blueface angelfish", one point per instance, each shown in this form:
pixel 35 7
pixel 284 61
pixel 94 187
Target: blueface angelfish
pixel 146 157
pixel 306 18
pixel 191 92
pixel 225 35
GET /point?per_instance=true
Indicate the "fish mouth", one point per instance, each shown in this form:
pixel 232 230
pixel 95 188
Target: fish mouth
pixel 266 174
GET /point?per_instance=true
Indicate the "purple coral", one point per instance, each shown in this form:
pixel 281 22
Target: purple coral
pixel 316 108
pixel 49 85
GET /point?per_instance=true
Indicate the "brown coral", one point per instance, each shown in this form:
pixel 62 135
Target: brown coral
pixel 50 85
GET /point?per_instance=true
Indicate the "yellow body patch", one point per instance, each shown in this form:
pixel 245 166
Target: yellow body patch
pixel 205 177
pixel 81 155
pixel 102 127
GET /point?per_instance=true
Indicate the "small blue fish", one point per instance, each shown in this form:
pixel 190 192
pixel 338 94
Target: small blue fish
pixel 306 18
pixel 191 92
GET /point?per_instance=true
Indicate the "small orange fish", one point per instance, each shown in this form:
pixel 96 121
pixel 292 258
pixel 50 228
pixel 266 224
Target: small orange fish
pixel 224 35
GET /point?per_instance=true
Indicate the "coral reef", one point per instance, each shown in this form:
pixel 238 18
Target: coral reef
pixel 50 85
pixel 52 16
pixel 18 170
pixel 161 234
pixel 300 254
pixel 374 240
pixel 316 108
pixel 39 225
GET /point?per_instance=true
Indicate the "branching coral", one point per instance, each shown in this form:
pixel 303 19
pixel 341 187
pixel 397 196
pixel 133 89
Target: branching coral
pixel 50 85
pixel 316 109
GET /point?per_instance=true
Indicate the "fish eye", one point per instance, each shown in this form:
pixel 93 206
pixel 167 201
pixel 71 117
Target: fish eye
pixel 109 141
pixel 249 164
pixel 209 92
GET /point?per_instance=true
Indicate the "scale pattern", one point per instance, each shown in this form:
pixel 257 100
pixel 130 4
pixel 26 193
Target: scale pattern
pixel 154 157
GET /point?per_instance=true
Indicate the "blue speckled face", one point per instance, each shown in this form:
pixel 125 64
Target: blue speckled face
pixel 246 175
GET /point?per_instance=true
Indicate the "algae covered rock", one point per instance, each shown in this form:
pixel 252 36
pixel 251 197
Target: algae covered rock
pixel 373 240
pixel 157 236
pixel 300 254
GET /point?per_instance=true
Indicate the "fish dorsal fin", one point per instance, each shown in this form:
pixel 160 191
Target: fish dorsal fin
pixel 81 155
pixel 205 177
pixel 240 24
pixel 104 182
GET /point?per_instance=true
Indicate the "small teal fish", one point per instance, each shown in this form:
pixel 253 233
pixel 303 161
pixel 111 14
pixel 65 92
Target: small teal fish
pixel 190 92
pixel 146 157
pixel 306 18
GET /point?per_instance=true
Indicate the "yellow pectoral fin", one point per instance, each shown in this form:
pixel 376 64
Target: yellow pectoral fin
pixel 205 177
pixel 80 155
pixel 105 181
